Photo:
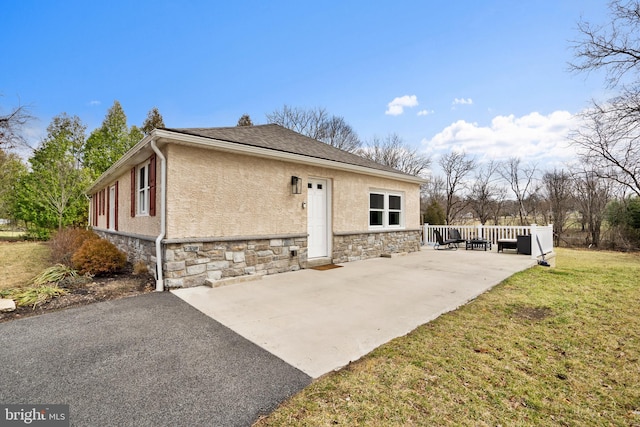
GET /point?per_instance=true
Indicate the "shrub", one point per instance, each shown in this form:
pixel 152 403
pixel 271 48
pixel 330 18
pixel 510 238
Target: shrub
pixel 66 242
pixel 434 214
pixel 98 256
pixel 140 268
pixel 37 233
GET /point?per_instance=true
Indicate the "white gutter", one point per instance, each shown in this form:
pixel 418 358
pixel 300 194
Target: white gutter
pixel 163 215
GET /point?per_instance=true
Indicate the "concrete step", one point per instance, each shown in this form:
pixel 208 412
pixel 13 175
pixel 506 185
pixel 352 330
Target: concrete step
pixel 316 262
pixel 232 280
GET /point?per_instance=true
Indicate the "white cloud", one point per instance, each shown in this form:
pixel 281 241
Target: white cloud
pixel 94 103
pixel 425 112
pixel 462 101
pixel 397 106
pixel 534 138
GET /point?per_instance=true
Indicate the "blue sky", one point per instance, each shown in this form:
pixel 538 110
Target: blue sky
pixel 489 77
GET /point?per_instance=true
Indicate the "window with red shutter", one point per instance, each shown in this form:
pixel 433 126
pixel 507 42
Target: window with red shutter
pixel 115 212
pixel 152 185
pixel 133 192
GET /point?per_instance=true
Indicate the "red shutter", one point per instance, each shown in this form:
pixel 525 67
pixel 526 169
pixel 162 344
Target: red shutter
pixel 115 219
pixel 133 192
pixel 94 212
pixel 108 197
pixel 152 185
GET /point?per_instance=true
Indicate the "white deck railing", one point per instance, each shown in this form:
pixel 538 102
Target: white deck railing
pixel 493 233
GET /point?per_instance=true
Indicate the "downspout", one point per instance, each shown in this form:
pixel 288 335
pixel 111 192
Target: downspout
pixel 163 215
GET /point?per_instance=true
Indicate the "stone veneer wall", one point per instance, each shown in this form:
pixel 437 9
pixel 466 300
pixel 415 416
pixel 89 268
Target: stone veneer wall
pixel 137 248
pixel 189 264
pixel 357 246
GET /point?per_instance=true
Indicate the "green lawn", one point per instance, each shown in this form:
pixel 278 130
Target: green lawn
pixel 546 347
pixel 20 262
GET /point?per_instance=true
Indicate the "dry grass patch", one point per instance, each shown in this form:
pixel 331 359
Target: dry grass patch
pixel 21 262
pixel 546 347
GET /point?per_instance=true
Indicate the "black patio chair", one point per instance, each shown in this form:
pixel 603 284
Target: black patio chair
pixel 454 234
pixel 442 244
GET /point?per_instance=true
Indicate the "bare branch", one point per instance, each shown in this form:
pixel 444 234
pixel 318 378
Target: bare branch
pixel 393 152
pixel 11 126
pixel 615 48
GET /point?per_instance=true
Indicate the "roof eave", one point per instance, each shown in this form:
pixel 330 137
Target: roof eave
pixel 286 156
pixel 162 136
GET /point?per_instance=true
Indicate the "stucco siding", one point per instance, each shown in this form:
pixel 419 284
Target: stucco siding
pixel 214 193
pixel 218 194
pixel 142 225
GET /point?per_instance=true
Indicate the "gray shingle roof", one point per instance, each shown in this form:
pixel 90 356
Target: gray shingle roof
pixel 276 137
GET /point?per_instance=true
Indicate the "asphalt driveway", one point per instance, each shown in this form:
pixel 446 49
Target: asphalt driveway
pixel 151 360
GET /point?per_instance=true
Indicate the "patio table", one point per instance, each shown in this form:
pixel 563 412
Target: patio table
pixel 478 243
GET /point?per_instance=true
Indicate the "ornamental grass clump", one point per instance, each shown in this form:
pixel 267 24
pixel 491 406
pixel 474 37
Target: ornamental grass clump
pixel 98 257
pixel 54 274
pixel 36 295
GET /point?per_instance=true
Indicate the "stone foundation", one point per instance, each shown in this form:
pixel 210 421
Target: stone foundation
pixel 189 264
pixel 137 248
pixel 358 246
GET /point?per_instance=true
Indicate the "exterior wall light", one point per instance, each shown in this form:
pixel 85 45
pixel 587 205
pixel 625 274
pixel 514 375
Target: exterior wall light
pixel 296 185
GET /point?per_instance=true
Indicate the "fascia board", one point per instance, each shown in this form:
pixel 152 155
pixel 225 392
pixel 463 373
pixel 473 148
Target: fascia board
pixel 163 137
pixel 282 155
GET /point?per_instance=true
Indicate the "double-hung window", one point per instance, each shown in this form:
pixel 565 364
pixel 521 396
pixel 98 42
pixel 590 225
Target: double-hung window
pixel 143 189
pixel 386 209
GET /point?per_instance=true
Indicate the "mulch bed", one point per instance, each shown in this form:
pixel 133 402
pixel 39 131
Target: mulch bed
pixel 94 290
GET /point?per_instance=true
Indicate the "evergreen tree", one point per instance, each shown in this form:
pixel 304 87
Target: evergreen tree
pixel 109 142
pixel 11 169
pixel 153 121
pixel 245 120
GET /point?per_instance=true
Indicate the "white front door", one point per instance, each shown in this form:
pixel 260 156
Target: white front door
pixel 317 218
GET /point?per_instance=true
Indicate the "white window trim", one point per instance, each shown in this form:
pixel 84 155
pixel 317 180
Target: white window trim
pixel 385 211
pixel 144 191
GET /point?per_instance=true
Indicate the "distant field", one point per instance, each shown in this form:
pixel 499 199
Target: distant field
pixel 10 235
pixel 21 261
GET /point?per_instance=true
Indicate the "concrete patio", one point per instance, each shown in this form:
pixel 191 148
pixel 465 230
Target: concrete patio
pixel 319 321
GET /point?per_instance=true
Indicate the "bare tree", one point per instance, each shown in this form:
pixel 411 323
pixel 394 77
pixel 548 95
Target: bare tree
pixel 456 167
pixel 316 123
pixel 337 133
pixel 306 122
pixel 486 195
pixel 11 126
pixel 393 152
pixel 610 131
pixel 609 140
pixel 592 194
pixel 522 183
pixel 614 47
pixel 558 187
